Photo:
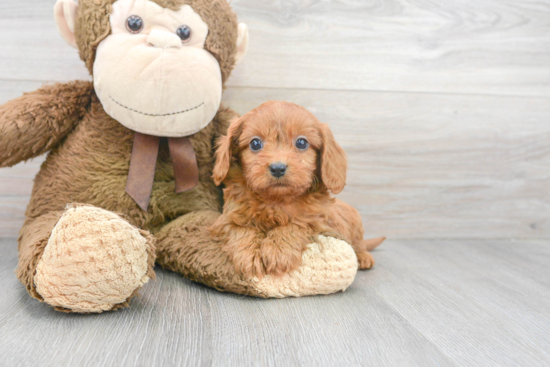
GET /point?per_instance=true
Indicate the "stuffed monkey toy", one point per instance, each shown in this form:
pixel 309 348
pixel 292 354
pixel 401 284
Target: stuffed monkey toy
pixel 127 180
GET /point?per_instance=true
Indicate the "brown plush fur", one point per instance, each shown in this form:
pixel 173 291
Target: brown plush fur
pixel 92 26
pixel 89 160
pixel 90 166
pixel 267 221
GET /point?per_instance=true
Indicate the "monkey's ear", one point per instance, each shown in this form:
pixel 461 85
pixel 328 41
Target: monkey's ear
pixel 224 153
pixel 242 42
pixel 65 14
pixel 334 163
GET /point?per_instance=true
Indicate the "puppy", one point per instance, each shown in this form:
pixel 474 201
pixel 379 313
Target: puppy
pixel 279 165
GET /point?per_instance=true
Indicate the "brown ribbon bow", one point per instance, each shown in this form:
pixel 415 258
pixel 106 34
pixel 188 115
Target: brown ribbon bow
pixel 144 161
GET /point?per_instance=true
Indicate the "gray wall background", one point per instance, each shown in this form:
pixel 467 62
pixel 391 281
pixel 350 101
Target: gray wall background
pixel 442 106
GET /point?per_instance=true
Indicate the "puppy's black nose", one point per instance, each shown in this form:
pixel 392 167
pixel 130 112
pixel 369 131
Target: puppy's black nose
pixel 278 169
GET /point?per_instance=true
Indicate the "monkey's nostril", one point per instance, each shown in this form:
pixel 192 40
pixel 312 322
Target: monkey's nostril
pixel 278 169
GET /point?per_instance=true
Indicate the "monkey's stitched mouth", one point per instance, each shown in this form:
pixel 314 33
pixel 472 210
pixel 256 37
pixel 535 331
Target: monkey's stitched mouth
pixel 153 114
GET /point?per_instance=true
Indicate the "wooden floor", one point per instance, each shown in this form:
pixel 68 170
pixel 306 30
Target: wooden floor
pixel 444 110
pixel 426 303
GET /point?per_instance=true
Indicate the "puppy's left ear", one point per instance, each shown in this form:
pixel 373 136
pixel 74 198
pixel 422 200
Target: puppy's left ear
pixel 224 153
pixel 334 163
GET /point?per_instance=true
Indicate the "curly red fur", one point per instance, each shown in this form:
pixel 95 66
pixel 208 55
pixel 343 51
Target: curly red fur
pixel 267 221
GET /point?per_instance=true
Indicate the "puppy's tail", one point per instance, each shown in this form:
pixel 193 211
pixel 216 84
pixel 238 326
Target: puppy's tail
pixel 373 243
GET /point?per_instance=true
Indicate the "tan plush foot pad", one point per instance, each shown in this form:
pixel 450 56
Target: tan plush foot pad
pixel 93 261
pixel 328 266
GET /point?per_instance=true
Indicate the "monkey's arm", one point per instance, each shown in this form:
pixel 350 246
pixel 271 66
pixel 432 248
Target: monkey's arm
pixel 36 122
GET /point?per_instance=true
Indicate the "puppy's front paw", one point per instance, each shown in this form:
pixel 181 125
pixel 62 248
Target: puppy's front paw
pixel 279 258
pixel 365 259
pixel 248 263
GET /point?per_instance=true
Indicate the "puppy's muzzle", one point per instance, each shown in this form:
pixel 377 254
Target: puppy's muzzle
pixel 278 169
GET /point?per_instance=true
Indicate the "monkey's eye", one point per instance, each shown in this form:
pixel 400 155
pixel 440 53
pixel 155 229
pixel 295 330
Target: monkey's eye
pixel 184 32
pixel 256 145
pixel 134 24
pixel 302 143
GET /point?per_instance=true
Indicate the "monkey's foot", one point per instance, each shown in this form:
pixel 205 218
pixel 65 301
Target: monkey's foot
pixel 328 266
pixel 94 261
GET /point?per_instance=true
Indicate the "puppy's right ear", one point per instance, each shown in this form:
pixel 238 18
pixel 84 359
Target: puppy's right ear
pixel 224 153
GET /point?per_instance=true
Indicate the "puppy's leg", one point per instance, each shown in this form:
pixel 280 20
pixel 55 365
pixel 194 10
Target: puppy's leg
pixel 241 244
pixel 365 259
pixel 243 247
pixel 282 249
pixel 347 221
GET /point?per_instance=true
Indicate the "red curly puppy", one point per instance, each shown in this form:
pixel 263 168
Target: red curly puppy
pixel 279 163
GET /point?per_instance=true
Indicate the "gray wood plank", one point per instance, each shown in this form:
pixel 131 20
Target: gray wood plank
pixel 481 47
pixel 488 47
pixel 421 165
pixel 438 302
pixel 489 281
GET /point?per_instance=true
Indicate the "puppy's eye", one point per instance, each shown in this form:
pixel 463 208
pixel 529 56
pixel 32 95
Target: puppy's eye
pixel 256 145
pixel 184 32
pixel 302 144
pixel 134 24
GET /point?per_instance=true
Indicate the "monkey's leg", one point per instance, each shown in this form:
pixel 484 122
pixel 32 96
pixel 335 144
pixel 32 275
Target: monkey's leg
pixel 85 259
pixel 185 246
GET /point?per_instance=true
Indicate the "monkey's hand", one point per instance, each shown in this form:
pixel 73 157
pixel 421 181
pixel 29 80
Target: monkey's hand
pixel 36 122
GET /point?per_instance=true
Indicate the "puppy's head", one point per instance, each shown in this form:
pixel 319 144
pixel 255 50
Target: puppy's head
pixel 283 150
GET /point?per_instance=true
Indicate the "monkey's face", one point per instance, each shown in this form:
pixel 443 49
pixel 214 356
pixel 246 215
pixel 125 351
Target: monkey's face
pixel 158 65
pixel 152 73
